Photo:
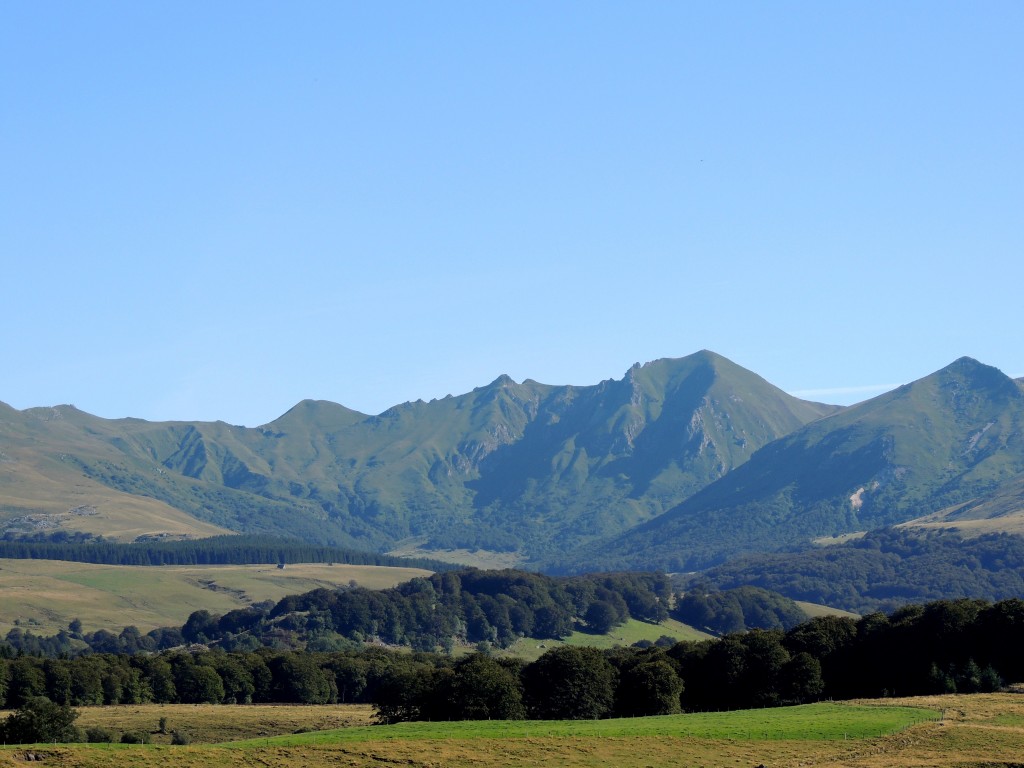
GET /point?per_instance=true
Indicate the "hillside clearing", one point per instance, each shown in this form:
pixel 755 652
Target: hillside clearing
pixel 632 631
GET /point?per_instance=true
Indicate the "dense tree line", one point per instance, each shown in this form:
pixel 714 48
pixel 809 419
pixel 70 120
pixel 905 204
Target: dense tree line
pixel 495 608
pixel 947 646
pixel 216 550
pixel 489 608
pixel 736 610
pixel 886 569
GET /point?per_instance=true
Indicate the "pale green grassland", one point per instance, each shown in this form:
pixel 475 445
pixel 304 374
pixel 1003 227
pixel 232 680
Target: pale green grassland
pixel 627 634
pixel 477 558
pixel 41 490
pixel 45 595
pixel 813 610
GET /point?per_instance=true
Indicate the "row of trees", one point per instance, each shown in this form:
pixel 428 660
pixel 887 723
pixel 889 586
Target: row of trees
pixel 964 645
pixel 736 610
pixel 249 549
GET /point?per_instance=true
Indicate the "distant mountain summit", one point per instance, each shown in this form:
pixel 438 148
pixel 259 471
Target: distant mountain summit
pixel 950 438
pixel 520 467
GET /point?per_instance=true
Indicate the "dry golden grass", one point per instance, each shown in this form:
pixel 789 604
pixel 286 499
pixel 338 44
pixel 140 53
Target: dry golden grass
pixel 211 724
pixel 45 595
pixel 30 480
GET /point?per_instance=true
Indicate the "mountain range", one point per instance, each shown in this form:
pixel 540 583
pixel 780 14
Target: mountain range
pixel 680 464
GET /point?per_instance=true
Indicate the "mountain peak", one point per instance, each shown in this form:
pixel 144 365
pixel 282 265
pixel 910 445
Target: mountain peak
pixel 323 412
pixel 502 382
pixel 966 372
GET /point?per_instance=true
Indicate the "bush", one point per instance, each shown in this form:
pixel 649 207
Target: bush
pixel 39 720
pixel 99 735
pixel 135 737
pixel 181 738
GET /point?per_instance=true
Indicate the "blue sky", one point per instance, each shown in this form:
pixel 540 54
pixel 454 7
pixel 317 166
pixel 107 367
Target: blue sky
pixel 215 210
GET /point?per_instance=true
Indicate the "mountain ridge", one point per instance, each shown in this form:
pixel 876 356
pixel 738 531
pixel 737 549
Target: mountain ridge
pixel 508 466
pixel 945 438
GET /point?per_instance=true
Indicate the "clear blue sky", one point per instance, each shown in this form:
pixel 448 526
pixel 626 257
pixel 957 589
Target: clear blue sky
pixel 214 210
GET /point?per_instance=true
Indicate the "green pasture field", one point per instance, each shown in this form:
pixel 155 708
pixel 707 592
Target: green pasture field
pixel 814 722
pixel 45 595
pixel 814 609
pixel 868 734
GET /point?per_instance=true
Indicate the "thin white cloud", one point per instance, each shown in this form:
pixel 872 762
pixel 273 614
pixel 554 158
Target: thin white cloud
pixel 864 389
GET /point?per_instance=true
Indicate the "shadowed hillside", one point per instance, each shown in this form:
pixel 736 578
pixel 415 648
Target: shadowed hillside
pixel 950 438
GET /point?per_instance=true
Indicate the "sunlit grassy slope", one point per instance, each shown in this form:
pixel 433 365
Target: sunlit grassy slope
pixel 45 595
pixel 626 634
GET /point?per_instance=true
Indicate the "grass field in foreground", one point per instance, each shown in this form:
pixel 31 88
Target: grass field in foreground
pixel 815 722
pixel 977 731
pixel 213 723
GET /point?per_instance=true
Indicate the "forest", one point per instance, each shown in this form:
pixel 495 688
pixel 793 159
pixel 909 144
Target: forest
pixel 945 646
pixel 439 612
pixel 885 569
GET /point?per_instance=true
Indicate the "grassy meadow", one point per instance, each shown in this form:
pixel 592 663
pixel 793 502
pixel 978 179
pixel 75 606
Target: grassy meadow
pixel 45 595
pixel 977 730
pixel 623 635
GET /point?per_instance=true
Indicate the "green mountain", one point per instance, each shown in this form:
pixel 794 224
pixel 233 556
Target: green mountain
pixel 519 467
pixel 955 437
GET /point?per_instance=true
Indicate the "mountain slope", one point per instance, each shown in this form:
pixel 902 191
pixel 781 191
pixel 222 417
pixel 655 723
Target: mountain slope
pixel 510 466
pixel 1000 510
pixel 948 438
pixel 42 487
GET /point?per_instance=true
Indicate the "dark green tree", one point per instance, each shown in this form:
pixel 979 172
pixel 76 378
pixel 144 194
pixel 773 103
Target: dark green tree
pixel 570 683
pixel 201 627
pixel 299 678
pixel 198 684
pixel 601 617
pixel 801 680
pixel 39 720
pixel 26 681
pixel 648 688
pixel 480 688
pixel 235 676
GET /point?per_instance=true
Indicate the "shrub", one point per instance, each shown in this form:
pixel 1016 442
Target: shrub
pixel 135 737
pixel 99 735
pixel 181 738
pixel 39 720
